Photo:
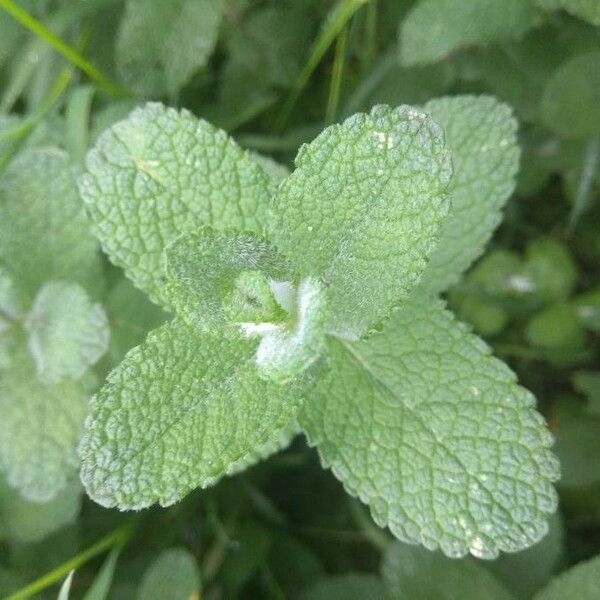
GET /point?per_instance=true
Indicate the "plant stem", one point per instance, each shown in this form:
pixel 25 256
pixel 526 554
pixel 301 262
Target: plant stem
pixel 116 539
pixel 73 56
pixel 337 75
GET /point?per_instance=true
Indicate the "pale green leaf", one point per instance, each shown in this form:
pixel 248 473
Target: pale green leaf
pixel 12 303
pixel 415 573
pixel 433 29
pixel 179 412
pixel 39 430
pixel 425 426
pixel 65 589
pixel 174 575
pixel 351 586
pixel 67 331
pixel 584 9
pixel 363 210
pixel 481 133
pixel 25 521
pixel 161 173
pixel 581 581
pixel 202 269
pixel 569 104
pixel 160 45
pixel 44 233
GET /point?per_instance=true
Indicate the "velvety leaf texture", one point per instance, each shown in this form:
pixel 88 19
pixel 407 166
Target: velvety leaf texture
pixel 161 173
pixel 433 29
pixel 67 332
pixel 44 233
pixel 415 573
pixel 173 575
pixel 363 210
pixel 422 424
pixel 39 430
pixel 161 44
pixel 180 411
pixel 481 133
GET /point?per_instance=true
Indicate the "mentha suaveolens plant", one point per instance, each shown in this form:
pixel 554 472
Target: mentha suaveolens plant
pixel 310 301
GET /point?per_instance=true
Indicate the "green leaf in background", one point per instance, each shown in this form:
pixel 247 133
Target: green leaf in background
pixel 481 133
pixel 161 173
pixel 581 581
pixel 584 9
pixel 39 430
pixel 415 573
pixel 173 575
pixel 12 303
pixel 433 29
pixel 570 105
pixel 179 412
pixel 425 426
pixel 44 233
pixel 67 332
pixel 352 586
pixel 160 45
pixel 101 586
pixel 25 521
pixel 363 210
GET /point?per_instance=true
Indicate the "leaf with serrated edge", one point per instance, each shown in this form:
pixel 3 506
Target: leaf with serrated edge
pixel 481 133
pixel 39 430
pixel 44 232
pixel 363 210
pixel 422 424
pixel 178 412
pixel 67 331
pixel 161 173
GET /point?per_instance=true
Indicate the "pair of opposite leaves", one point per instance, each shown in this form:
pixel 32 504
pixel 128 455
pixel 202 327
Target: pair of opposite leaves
pixel 417 419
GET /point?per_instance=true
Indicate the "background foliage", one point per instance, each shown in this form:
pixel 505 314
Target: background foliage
pixel 274 73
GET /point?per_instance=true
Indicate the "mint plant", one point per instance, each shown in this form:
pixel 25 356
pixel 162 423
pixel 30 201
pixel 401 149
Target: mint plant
pixel 315 301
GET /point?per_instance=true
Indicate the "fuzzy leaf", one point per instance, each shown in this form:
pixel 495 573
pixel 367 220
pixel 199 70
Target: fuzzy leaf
pixel 202 268
pixel 160 45
pixel 67 332
pixel 433 29
pixel 180 411
pixel 422 424
pixel 363 210
pixel 581 581
pixel 481 133
pixel 162 173
pixel 174 575
pixel 44 233
pixel 39 430
pixel 416 573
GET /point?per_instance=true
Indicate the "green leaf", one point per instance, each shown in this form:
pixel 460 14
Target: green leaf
pixel 416 573
pixel 363 210
pixel 433 29
pixel 581 581
pixel 65 588
pixel 422 424
pixel 202 269
pixel 173 575
pixel 351 586
pixel 102 583
pixel 179 412
pixel 160 45
pixel 569 105
pixel 44 233
pixel 67 331
pixel 481 133
pixel 39 430
pixel 162 173
pixel 25 521
pixel 12 303
pixel 588 10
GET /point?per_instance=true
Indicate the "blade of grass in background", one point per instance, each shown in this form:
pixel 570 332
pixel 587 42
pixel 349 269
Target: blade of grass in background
pixel 339 62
